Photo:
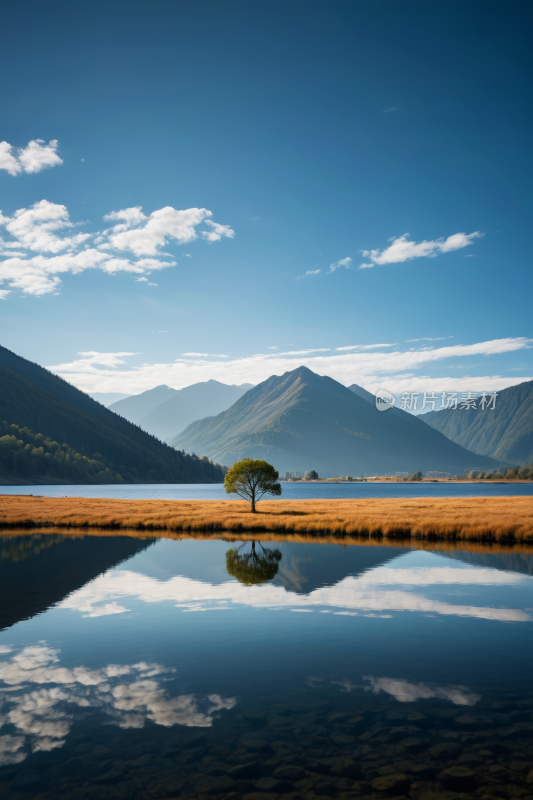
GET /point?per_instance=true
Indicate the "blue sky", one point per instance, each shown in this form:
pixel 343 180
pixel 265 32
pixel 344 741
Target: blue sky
pixel 320 137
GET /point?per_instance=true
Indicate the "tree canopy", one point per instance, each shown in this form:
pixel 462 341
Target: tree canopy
pixel 251 479
pixel 253 567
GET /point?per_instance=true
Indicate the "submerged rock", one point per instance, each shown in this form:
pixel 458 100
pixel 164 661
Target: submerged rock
pixel 396 783
pixel 459 779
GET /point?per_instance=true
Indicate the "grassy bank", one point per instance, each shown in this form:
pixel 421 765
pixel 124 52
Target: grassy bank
pixel 442 546
pixel 482 519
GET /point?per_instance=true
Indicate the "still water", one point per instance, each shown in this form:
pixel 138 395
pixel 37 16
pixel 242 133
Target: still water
pixel 290 491
pixel 143 668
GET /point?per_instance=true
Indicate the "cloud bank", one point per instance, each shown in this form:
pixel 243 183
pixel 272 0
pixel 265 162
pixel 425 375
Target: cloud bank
pixel 396 369
pixel 44 244
pixel 36 156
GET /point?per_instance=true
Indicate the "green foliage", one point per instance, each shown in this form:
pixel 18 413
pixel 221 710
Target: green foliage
pixel 32 455
pixel 416 476
pixel 251 479
pixel 251 568
pixel 311 475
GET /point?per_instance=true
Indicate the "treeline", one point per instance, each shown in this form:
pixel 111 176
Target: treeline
pixel 525 473
pixel 30 455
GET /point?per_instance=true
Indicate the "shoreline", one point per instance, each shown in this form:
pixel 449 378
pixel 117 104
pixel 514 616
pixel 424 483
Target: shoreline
pixel 481 519
pixel 343 540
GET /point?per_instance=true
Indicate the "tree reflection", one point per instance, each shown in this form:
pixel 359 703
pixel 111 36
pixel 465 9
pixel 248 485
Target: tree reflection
pixel 253 567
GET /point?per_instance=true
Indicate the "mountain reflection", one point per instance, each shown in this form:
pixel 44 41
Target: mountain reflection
pixel 39 570
pixel 43 699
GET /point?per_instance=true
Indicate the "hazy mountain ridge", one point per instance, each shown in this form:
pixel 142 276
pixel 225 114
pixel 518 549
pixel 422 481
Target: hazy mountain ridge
pixel 136 406
pixel 301 420
pixel 33 397
pixel 504 433
pixel 165 412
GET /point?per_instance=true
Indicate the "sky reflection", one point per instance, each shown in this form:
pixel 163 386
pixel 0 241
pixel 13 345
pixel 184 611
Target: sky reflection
pixel 383 589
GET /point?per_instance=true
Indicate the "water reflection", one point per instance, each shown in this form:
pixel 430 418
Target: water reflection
pixel 380 590
pixel 399 679
pixel 44 716
pixel 253 567
pixel 39 570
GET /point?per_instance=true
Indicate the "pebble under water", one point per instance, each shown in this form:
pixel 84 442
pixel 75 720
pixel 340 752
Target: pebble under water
pixel 142 668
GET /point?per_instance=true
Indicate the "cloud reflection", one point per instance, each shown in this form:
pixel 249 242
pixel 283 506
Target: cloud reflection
pixel 406 692
pixel 43 716
pixel 380 590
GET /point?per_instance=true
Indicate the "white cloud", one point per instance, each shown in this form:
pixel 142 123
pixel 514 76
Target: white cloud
pixel 7 160
pixel 46 228
pixel 344 262
pixel 154 231
pixel 129 217
pixel 429 339
pixel 36 156
pixel 4 293
pixel 403 249
pixel 309 272
pixel 35 228
pixel 217 232
pixel 364 346
pixel 365 266
pixel 367 368
pixel 92 358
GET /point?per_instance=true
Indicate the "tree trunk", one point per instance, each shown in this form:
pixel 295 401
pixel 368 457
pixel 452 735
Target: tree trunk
pixel 253 504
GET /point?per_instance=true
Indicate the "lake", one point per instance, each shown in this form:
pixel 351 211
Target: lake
pixel 290 491
pixel 147 668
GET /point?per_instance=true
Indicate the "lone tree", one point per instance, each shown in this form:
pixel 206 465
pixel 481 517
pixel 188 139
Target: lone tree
pixel 251 480
pixel 253 567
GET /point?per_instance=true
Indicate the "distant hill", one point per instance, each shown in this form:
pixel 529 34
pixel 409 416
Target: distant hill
pixel 138 406
pixel 61 435
pixel 504 433
pixel 302 421
pixel 184 406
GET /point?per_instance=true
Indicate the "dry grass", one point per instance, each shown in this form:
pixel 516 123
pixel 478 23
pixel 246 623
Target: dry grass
pixel 482 519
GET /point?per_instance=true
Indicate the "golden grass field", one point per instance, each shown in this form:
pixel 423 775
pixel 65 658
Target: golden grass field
pixel 481 519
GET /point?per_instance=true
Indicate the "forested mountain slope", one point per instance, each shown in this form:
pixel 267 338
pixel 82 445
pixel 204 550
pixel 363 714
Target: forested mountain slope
pixel 504 432
pixel 32 397
pixel 303 421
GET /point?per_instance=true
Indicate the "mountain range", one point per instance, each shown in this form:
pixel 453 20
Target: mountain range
pixel 300 421
pixel 504 432
pixel 165 412
pixel 51 432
